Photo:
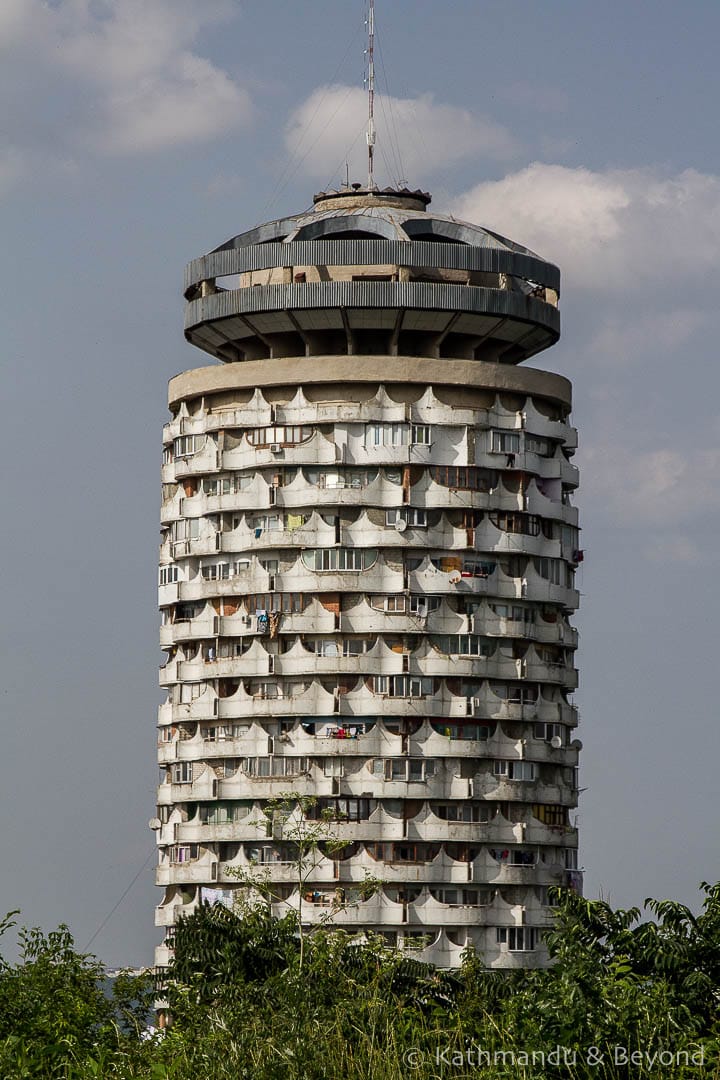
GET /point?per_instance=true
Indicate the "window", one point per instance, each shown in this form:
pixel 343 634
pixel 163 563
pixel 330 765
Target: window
pixel 217 485
pixel 223 732
pixel 451 729
pixel 421 605
pixel 182 772
pixel 504 442
pixel 514 613
pixel 555 816
pixel 342 809
pixel 421 434
pixel 409 770
pixel 464 477
pixel 228 649
pixel 221 813
pixel 399 604
pixel 275 766
pixel 340 478
pixel 514 521
pixel 464 645
pixel 284 436
pixel 327 559
pixel 169 575
pixel 285 603
pixel 536 445
pixel 462 897
pixel 547 732
pixel 415 518
pixel 478 568
pixel 183 853
pixel 403 852
pixel 216 572
pixel 226 485
pixel 167 455
pixel 395 605
pixel 516 695
pixel 333 648
pixel 187 611
pixel 261 522
pixel 555 571
pixel 386 435
pixel 462 811
pixel 187 445
pixel 185 529
pixel 190 692
pixel 515 770
pixel 334 766
pixel 402 685
pixel 521 857
pixel 517 938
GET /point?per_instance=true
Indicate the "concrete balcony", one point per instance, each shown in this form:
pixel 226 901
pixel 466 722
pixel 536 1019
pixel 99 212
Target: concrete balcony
pixel 204 461
pixel 250 499
pixel 252 580
pixel 200 872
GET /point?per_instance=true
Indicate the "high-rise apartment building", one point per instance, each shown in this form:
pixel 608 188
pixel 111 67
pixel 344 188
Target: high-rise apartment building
pixel 366 576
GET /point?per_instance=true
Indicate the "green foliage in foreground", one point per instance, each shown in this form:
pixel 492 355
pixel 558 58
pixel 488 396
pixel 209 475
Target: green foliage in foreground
pixel 626 998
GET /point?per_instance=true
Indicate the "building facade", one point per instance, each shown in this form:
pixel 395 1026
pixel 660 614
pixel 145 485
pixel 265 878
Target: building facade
pixel 366 576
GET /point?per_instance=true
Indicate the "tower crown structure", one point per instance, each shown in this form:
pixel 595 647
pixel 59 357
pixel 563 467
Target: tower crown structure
pixel 388 277
pixel 366 577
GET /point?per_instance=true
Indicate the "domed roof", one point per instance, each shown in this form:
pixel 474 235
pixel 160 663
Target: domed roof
pixel 360 214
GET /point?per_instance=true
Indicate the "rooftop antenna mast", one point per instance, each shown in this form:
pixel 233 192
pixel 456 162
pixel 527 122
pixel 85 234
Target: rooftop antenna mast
pixel 371 96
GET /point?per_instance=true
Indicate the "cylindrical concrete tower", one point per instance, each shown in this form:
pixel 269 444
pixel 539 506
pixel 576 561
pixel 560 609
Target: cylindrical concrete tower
pixel 366 574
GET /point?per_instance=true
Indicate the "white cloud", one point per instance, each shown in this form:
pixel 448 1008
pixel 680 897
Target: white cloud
pixel 660 487
pixel 678 548
pixel 123 76
pixel 610 230
pixel 12 168
pixel 328 128
pixel 618 340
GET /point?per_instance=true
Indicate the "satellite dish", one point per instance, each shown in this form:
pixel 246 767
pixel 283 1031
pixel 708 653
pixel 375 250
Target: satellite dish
pixel 556 742
pixel 576 744
pixel 154 823
pixel 401 524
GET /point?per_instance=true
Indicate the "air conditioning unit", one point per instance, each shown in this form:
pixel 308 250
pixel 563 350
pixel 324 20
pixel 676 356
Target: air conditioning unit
pixel 276 448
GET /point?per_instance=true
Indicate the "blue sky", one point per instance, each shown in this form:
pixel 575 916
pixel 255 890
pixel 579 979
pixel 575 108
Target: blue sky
pixel 138 134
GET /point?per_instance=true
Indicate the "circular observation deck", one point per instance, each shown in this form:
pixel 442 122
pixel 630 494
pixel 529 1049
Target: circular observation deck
pixel 372 273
